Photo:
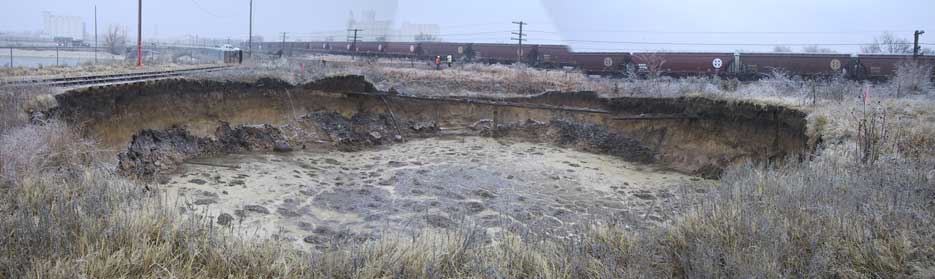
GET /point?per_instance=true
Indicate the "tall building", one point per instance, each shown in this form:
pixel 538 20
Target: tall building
pixel 376 19
pixel 63 26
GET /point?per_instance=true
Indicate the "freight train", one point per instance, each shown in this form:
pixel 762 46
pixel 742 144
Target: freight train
pixel 745 66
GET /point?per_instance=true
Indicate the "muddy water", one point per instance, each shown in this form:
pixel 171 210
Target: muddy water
pixel 317 198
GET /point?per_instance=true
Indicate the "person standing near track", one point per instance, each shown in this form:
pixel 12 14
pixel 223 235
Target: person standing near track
pixel 450 59
pixel 438 62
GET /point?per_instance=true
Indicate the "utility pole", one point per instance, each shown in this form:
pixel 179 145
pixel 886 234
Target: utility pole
pixel 916 49
pixel 519 39
pixel 353 39
pixel 95 34
pixel 250 40
pixel 139 36
pixel 282 51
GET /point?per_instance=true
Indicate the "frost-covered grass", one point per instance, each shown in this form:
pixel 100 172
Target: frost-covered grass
pixel 67 215
pixel 87 69
pixel 860 208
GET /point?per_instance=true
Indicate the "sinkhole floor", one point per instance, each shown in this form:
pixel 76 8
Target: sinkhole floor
pixel 319 198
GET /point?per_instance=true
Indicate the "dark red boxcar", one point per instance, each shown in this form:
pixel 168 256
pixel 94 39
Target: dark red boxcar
pixel 500 53
pixel 879 66
pixel 401 48
pixel 368 48
pixel 803 64
pixel 553 55
pixel 601 63
pixel 683 63
pixel 432 49
pixel 318 46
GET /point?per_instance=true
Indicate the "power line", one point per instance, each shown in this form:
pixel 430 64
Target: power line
pixel 471 25
pixel 711 44
pixel 718 32
pixel 206 11
pixel 315 34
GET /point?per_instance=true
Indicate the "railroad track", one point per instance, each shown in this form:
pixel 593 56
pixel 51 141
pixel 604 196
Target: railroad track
pixel 111 78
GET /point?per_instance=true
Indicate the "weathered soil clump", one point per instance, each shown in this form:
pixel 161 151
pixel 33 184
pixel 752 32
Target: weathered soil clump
pixel 152 151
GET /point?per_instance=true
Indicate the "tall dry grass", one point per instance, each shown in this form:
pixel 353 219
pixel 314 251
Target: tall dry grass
pixel 66 214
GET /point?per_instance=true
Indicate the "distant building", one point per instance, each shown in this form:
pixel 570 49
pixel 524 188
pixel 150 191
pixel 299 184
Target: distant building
pixel 56 26
pixel 373 29
pixel 375 20
pixel 419 32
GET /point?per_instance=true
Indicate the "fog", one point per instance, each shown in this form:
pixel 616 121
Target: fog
pixel 692 25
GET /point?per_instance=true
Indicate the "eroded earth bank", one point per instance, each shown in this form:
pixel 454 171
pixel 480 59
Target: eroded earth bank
pixel 338 160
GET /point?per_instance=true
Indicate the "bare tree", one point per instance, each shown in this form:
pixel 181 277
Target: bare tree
pixel 912 77
pixel 888 43
pixel 115 40
pixel 782 49
pixel 817 49
pixel 652 64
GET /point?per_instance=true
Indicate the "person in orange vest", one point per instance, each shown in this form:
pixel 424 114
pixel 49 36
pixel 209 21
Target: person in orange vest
pixel 438 62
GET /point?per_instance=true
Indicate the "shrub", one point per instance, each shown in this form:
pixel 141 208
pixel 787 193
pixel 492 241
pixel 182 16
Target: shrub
pixel 912 78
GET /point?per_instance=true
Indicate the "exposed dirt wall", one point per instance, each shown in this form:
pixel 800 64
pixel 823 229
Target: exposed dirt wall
pixel 694 135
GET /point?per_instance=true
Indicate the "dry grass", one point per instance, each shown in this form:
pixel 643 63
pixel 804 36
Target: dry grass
pixel 66 214
pixel 461 80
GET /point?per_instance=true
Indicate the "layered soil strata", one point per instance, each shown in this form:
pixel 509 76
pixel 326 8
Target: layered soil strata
pixel 691 135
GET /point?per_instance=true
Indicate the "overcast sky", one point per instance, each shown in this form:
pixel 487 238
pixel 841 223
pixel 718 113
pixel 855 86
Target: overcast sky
pixel 632 25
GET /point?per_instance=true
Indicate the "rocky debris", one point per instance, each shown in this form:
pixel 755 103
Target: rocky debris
pixel 205 201
pixel 424 127
pixel 484 194
pixel 590 137
pixel 473 207
pixel 482 125
pixel 152 151
pixel 644 196
pixel 360 130
pixel 598 138
pixel 313 239
pixel 257 209
pixel 249 138
pixel 709 171
pixel 271 83
pixel 360 200
pixel 225 219
pixel 287 213
pixel 347 83
pixel 439 221
pixel 282 147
